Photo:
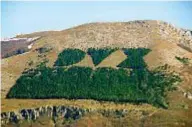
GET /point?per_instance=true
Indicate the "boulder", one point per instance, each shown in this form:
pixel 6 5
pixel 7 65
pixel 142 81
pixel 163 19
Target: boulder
pixel 188 33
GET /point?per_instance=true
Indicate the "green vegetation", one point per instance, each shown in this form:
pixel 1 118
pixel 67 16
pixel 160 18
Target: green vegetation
pixel 134 58
pixel 136 85
pixel 69 57
pixel 104 84
pixel 43 49
pixel 99 54
pixel 183 60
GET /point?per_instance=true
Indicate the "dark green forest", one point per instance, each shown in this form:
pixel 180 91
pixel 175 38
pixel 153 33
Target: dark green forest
pixel 134 58
pixel 69 56
pixel 136 85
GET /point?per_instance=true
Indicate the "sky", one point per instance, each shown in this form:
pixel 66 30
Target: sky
pixel 27 17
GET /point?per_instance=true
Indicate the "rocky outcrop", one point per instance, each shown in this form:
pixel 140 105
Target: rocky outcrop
pixel 176 35
pixel 50 111
pixel 188 95
pixel 55 112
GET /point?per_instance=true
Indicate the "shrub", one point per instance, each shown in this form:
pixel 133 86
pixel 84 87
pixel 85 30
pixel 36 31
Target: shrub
pixel 69 56
pixel 99 54
pixel 43 49
pixel 183 60
pixel 31 63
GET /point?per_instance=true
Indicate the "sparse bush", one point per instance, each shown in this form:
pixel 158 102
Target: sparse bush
pixel 43 49
pixel 183 60
pixel 31 63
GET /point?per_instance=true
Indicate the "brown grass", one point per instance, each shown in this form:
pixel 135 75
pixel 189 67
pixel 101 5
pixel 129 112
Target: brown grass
pixel 113 59
pixel 16 104
pixel 87 62
pixel 164 53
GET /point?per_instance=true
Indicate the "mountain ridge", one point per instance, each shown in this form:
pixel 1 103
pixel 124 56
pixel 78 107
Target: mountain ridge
pixel 96 33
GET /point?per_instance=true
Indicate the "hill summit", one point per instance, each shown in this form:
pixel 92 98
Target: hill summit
pixel 141 33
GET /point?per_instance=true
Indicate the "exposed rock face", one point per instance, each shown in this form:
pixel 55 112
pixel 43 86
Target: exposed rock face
pixel 176 35
pixel 188 33
pixel 50 111
pixel 58 112
pixel 188 95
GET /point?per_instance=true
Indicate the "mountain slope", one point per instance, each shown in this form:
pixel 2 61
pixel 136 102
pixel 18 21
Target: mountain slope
pixel 150 34
pixel 165 41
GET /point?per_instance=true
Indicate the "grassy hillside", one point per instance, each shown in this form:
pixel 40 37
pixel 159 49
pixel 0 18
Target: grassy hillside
pixel 160 38
pixel 138 85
